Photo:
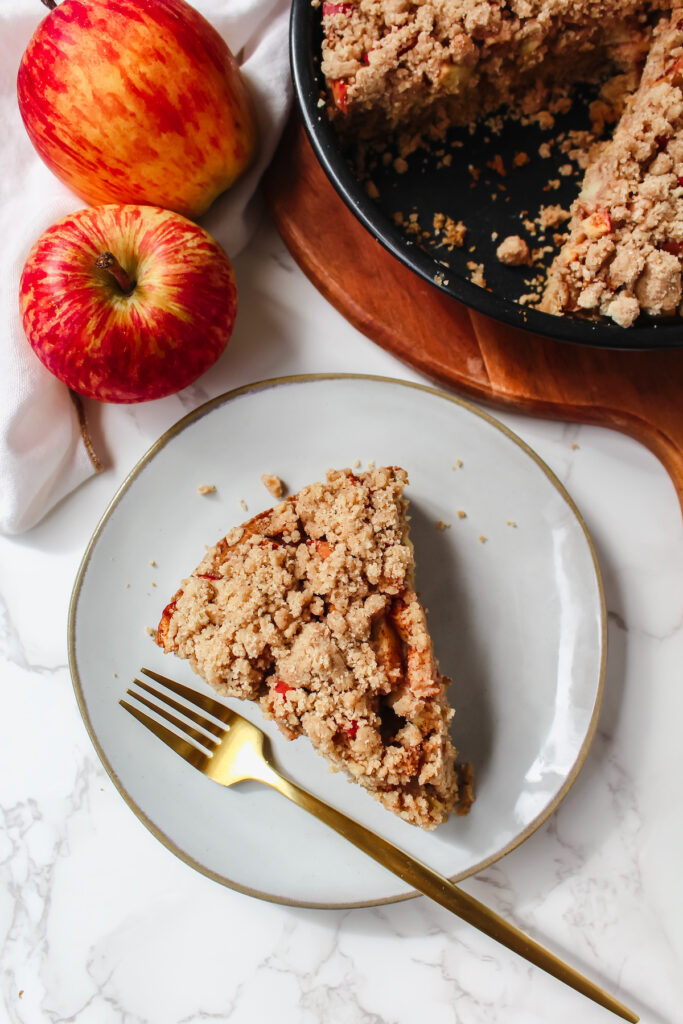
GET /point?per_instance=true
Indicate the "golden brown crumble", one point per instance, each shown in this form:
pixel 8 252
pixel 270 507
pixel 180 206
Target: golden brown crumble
pixel 450 232
pixel 206 489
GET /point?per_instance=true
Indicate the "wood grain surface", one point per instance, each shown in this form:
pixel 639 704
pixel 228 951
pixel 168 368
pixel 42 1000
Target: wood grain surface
pixel 638 393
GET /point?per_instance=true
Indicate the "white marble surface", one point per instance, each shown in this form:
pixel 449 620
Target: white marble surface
pixel 100 923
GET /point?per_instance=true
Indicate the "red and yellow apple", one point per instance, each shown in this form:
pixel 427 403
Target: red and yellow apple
pixel 127 303
pixel 136 101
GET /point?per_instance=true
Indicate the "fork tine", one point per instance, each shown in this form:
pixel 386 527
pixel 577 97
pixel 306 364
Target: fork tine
pixel 220 711
pixel 188 730
pixel 194 716
pixel 190 753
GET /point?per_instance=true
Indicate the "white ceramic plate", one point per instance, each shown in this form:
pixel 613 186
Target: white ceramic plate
pixel 518 622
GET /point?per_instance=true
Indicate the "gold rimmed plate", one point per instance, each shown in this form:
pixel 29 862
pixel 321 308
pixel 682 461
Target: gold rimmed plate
pixel 515 608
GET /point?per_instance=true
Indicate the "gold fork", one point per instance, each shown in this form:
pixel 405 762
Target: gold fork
pixel 234 750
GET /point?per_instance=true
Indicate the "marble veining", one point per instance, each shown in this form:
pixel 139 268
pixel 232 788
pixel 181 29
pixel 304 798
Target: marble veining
pixel 99 923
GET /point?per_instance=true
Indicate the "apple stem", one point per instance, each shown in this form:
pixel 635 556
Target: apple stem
pixel 107 261
pixel 50 4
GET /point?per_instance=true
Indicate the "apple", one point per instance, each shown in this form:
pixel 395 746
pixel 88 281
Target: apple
pixel 136 101
pixel 127 303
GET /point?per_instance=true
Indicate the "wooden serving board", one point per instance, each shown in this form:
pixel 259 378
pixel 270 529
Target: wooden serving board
pixel 638 393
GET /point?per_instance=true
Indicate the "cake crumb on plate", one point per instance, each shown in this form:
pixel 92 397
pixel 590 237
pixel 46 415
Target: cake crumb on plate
pixel 273 484
pixel 206 489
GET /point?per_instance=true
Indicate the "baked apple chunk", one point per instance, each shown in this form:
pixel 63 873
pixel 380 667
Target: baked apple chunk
pixel 310 609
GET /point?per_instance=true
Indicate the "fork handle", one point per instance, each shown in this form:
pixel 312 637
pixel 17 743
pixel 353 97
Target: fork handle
pixel 444 892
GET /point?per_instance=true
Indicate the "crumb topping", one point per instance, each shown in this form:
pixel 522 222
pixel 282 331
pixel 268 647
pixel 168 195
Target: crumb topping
pixel 397 63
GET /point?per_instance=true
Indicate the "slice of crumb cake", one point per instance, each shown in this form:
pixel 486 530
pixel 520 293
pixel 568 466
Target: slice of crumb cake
pixel 310 609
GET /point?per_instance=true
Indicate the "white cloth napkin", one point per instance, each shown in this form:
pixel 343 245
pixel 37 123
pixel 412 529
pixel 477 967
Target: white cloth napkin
pixel 42 455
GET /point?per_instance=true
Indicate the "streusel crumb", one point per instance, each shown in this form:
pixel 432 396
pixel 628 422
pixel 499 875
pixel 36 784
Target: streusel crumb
pixel 273 484
pixel 513 251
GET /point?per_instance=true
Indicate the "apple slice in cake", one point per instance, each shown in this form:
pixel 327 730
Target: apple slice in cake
pixel 310 610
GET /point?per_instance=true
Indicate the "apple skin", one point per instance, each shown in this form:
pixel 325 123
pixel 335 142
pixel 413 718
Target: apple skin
pixel 115 347
pixel 136 101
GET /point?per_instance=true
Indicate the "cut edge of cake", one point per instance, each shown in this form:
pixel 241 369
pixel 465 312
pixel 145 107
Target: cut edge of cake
pixel 419 67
